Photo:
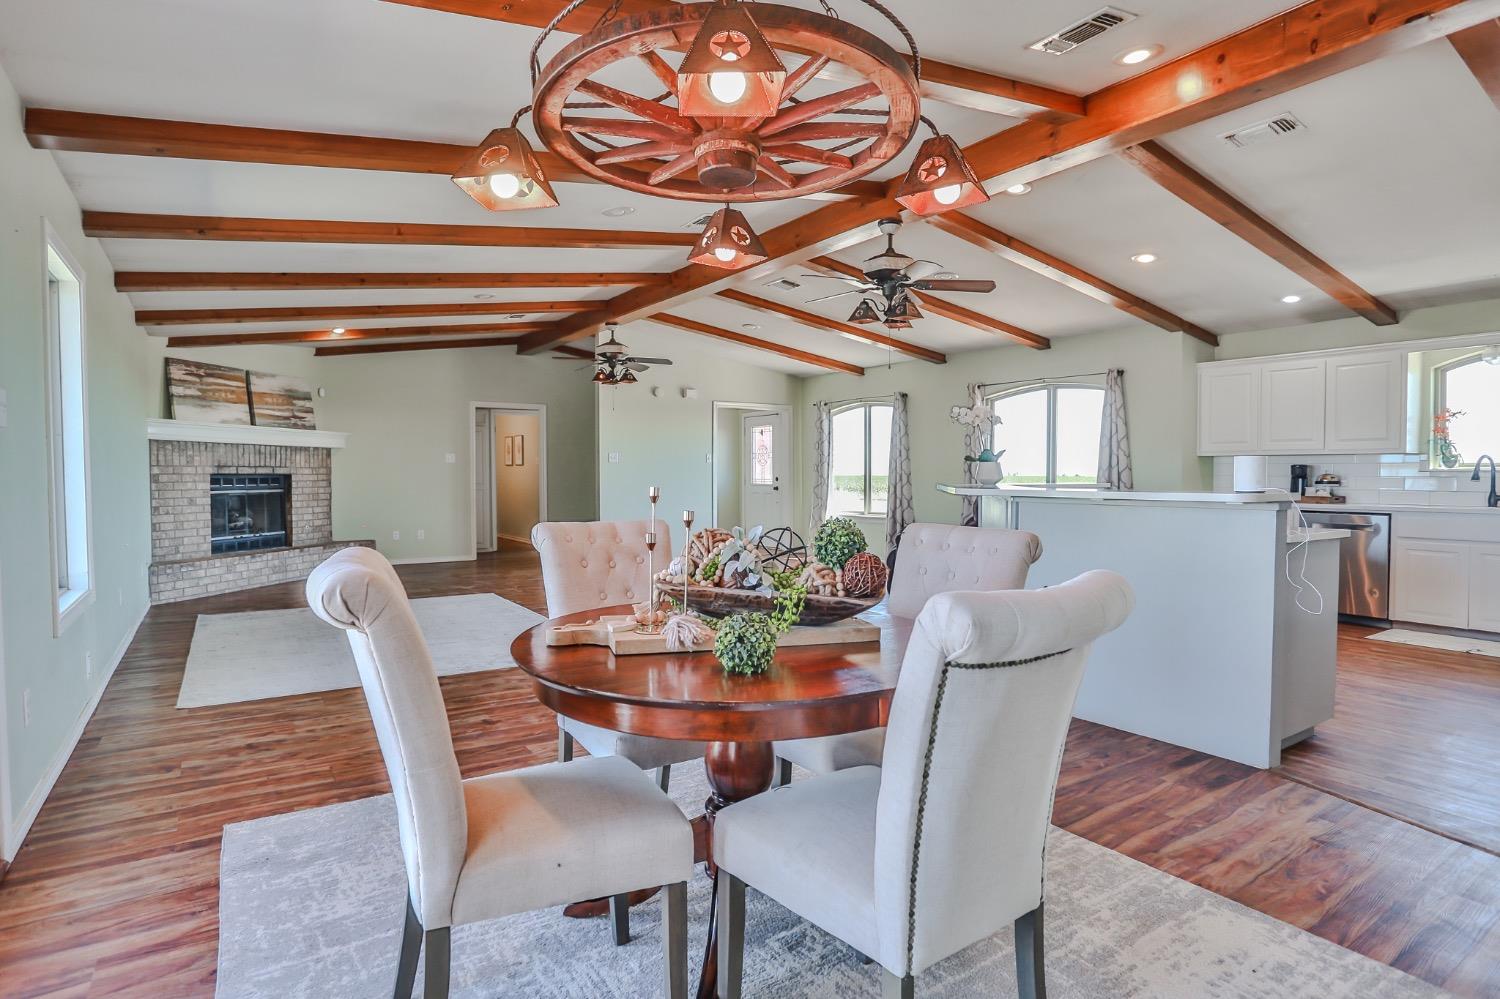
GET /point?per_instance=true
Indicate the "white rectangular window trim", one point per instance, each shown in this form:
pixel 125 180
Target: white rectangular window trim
pixel 67 431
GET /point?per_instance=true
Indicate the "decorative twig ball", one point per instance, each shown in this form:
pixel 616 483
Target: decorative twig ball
pixel 864 576
pixel 837 541
pixel 821 580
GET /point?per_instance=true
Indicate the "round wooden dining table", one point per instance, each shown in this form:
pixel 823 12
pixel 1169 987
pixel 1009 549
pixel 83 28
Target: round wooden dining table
pixel 810 690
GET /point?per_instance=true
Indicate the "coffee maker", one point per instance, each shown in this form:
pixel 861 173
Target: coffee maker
pixel 1301 475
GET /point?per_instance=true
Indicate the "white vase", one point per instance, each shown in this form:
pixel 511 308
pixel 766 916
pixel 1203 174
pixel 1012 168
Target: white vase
pixel 987 472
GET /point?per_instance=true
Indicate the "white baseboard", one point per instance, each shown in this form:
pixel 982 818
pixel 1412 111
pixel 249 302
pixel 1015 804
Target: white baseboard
pixel 22 824
pixel 516 540
pixel 424 559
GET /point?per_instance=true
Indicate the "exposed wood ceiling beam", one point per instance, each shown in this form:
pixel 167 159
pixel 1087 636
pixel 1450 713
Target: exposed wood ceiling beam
pixel 388 348
pixel 868 334
pixel 350 335
pixel 948 310
pixel 314 281
pixel 86 132
pixel 1162 166
pixel 1308 43
pixel 1008 247
pixel 1479 47
pixel 206 317
pixel 693 326
pixel 131 225
pixel 967 88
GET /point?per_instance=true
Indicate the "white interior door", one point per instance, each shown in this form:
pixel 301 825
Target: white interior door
pixel 766 458
pixel 484 480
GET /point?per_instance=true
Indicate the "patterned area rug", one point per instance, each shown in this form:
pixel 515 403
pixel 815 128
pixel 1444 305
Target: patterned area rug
pixel 259 654
pixel 311 905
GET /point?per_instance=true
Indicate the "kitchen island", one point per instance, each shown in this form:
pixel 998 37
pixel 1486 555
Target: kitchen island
pixel 1232 646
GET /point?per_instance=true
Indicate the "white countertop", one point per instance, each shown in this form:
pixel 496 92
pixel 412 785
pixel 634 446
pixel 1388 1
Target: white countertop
pixel 1112 495
pixel 1478 507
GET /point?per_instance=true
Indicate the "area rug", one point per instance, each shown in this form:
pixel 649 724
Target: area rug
pixel 1437 640
pixel 311 905
pixel 259 654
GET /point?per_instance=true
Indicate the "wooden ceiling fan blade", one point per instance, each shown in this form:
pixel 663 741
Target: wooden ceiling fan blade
pixel 954 284
pixel 646 360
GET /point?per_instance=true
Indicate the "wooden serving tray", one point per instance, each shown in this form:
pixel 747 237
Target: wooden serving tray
pixel 816 610
pixel 617 631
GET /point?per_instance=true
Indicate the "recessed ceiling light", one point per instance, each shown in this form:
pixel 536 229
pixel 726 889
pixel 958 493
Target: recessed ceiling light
pixel 618 212
pixel 1018 189
pixel 338 331
pixel 484 296
pixel 1134 57
pixel 943 276
pixel 1291 299
pixel 1144 258
pixel 749 326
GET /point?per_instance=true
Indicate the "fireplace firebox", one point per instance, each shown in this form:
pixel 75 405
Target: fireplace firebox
pixel 249 512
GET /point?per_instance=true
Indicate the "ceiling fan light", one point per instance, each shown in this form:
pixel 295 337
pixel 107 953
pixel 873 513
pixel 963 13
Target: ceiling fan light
pixel 730 70
pixel 904 309
pixel 727 242
pixel 502 174
pixel 898 324
pixel 602 377
pixel 627 377
pixel 864 314
pixel 940 179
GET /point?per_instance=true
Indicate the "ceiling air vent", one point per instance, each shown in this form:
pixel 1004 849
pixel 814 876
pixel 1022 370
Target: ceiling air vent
pixel 1089 28
pixel 783 284
pixel 1261 131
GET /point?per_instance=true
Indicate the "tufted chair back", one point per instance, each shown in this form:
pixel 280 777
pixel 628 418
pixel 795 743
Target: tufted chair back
pixel 357 590
pixel 588 564
pixel 939 558
pixel 971 760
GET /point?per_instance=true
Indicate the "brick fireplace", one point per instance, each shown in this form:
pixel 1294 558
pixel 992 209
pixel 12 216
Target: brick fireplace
pixel 238 507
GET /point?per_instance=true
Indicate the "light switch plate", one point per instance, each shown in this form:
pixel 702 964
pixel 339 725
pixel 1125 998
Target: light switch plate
pixel 614 457
pixel 450 458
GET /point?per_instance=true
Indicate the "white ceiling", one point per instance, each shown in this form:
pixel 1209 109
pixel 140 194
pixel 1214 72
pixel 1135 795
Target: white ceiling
pixel 1393 182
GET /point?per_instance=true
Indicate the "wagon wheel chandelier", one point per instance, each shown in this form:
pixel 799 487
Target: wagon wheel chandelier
pixel 730 126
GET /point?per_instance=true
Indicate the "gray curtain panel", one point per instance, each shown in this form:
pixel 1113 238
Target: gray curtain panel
pixel 822 465
pixel 976 439
pixel 899 509
pixel 1114 442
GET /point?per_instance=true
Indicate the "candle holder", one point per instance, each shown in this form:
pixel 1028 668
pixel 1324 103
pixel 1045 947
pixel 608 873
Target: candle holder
pixel 687 540
pixel 651 626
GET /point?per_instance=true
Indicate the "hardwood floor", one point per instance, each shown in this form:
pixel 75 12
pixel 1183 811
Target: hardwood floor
pixel 1416 735
pixel 116 890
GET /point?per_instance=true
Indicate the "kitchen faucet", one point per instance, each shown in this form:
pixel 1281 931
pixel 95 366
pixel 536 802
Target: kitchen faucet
pixel 1494 499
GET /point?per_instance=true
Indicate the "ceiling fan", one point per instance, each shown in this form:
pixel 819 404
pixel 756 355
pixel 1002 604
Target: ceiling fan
pixel 890 276
pixel 613 364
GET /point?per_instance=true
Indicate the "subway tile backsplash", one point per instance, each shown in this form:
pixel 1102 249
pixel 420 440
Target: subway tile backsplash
pixel 1373 479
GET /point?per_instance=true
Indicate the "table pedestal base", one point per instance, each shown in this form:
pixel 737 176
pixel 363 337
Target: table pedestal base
pixel 736 771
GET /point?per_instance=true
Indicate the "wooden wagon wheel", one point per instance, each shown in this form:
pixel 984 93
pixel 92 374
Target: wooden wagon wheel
pixel 735 159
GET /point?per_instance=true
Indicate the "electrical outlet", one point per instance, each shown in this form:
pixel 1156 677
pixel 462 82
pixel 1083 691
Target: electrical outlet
pixel 421 534
pixel 26 708
pixel 395 535
pixel 88 665
pixel 450 457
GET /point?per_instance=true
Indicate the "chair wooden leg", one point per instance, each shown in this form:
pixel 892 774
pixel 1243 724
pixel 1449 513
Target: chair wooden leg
pixel 435 982
pixel 731 916
pixel 1031 978
pixel 619 918
pixel 411 949
pixel 564 746
pixel 674 935
pixel 896 987
pixel 783 772
pixel 664 777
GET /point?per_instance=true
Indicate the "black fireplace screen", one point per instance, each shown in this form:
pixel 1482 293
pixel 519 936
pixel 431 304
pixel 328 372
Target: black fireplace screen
pixel 249 512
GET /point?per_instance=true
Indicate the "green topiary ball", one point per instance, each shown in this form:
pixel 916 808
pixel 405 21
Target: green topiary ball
pixel 837 541
pixel 745 643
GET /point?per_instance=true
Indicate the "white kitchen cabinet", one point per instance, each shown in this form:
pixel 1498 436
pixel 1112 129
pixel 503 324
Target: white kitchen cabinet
pixel 1228 409
pixel 1366 403
pixel 1484 588
pixel 1430 582
pixel 1291 406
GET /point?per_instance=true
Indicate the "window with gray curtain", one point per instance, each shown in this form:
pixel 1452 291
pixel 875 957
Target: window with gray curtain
pixel 1050 433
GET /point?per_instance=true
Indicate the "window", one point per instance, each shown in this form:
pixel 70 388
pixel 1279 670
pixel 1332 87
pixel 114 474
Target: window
pixel 762 455
pixel 1471 386
pixel 1049 433
pixel 861 460
pixel 66 431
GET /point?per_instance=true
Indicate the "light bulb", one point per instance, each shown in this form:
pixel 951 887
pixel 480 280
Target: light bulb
pixel 505 185
pixel 948 195
pixel 724 253
pixel 727 86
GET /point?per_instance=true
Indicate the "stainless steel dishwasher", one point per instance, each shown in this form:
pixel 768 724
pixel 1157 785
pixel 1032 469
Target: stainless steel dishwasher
pixel 1364 561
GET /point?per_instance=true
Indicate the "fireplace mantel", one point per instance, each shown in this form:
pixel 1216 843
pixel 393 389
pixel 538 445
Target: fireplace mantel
pixel 212 433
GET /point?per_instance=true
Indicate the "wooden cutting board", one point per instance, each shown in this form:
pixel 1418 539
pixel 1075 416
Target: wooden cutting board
pixel 617 631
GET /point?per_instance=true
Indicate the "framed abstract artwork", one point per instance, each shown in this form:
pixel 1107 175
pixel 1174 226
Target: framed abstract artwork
pixel 281 401
pixel 207 393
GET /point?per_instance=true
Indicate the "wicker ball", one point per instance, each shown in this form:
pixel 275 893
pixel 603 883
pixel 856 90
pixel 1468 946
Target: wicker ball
pixel 864 576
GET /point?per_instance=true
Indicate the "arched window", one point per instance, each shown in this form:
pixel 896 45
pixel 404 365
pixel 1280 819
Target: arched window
pixel 1049 433
pixel 1471 386
pixel 861 460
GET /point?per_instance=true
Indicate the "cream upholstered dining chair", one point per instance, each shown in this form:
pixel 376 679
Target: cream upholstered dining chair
pixel 589 564
pixel 929 559
pixel 503 843
pixel 944 843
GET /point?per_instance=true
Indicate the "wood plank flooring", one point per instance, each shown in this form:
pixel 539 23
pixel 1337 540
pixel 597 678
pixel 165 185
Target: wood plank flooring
pixel 115 892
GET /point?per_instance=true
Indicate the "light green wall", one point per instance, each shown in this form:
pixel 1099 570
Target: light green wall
pixel 119 400
pixel 1444 320
pixel 1160 398
pixel 666 440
